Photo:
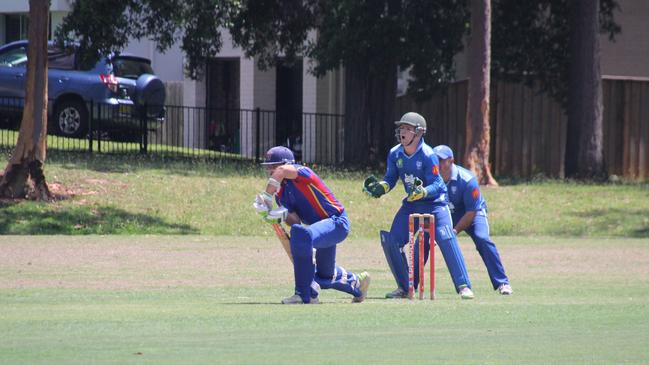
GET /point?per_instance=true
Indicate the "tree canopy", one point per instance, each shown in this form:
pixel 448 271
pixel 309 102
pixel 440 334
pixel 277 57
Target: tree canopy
pixel 424 35
pixel 530 41
pixel 103 26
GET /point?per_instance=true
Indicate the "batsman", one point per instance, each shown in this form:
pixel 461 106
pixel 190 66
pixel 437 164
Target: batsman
pixel 317 220
pixel 415 163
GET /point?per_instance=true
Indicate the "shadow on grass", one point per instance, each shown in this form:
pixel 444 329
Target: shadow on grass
pixel 36 219
pixel 633 221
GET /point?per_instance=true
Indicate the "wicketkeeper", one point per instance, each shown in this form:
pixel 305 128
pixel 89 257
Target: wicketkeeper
pixel 317 220
pixel 414 162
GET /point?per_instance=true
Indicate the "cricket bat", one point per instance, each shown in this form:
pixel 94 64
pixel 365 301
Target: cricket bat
pixel 284 239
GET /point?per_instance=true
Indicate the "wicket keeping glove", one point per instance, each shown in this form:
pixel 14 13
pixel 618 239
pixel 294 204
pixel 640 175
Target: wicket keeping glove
pixel 418 192
pixel 375 188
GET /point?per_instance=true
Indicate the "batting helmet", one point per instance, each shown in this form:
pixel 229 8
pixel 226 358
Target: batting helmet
pixel 413 119
pixel 278 155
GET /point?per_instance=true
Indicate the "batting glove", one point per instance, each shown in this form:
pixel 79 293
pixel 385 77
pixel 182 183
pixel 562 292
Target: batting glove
pixel 260 206
pixel 275 216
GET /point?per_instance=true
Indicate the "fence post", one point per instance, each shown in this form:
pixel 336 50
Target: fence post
pixel 98 127
pixel 257 127
pixel 143 132
pixel 90 124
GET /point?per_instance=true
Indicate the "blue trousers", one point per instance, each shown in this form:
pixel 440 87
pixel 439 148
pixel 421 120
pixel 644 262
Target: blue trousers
pixel 444 236
pixel 479 232
pixel 323 236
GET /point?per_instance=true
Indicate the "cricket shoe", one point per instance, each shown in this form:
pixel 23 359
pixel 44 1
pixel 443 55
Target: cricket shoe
pixel 505 289
pixel 397 293
pixel 363 284
pixel 296 299
pixel 466 293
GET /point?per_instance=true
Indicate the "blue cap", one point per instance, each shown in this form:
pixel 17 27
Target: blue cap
pixel 443 151
pixel 278 155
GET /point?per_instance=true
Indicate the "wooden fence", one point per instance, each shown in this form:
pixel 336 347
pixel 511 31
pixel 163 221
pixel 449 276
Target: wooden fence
pixel 528 128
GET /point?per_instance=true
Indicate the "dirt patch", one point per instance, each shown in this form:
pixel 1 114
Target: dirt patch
pixel 151 262
pixel 64 192
pixel 116 262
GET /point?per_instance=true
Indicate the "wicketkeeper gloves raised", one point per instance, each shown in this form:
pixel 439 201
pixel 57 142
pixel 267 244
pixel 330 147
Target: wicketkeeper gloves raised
pixel 375 188
pixel 418 192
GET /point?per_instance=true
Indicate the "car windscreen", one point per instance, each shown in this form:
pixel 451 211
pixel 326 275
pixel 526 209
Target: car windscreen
pixel 131 68
pixel 14 57
pixel 56 57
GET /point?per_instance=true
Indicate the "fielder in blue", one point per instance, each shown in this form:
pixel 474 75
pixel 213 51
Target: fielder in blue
pixel 317 220
pixel 469 212
pixel 414 162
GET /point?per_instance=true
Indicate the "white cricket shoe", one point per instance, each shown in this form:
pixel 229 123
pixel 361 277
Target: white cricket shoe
pixel 296 299
pixel 363 284
pixel 466 293
pixel 505 289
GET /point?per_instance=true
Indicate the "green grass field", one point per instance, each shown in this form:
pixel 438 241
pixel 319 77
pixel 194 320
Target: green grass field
pixel 140 195
pixel 162 261
pixel 209 300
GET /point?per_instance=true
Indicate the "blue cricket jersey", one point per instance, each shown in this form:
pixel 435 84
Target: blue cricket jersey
pixel 464 193
pixel 308 196
pixel 422 164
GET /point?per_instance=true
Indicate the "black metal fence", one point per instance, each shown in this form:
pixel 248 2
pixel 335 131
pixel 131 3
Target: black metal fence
pixel 183 131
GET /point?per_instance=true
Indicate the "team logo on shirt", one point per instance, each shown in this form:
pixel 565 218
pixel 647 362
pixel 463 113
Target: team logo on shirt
pixel 435 170
pixel 399 163
pixel 419 165
pixel 454 189
pixel 409 180
pixel 475 194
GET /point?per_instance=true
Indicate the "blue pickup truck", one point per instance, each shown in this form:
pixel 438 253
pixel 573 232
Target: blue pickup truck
pixel 121 88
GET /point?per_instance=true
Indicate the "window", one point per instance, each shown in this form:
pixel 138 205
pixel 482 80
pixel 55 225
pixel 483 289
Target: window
pixel 131 68
pixel 58 58
pixel 14 57
pixel 16 27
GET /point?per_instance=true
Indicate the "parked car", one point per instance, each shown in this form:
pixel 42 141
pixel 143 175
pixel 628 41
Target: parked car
pixel 122 89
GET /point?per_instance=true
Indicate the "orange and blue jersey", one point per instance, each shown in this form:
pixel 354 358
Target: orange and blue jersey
pixel 309 197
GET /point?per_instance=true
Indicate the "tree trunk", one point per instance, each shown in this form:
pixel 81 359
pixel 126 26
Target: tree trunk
pixel 476 156
pixel 369 115
pixel 584 150
pixel 28 157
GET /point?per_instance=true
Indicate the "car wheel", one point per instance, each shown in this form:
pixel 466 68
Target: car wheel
pixel 71 119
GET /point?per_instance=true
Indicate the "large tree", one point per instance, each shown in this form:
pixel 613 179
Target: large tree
pixel 553 43
pixel 585 153
pixel 370 40
pixel 476 157
pixel 25 171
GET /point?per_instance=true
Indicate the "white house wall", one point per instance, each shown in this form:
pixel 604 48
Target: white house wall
pixel 629 54
pixel 309 105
